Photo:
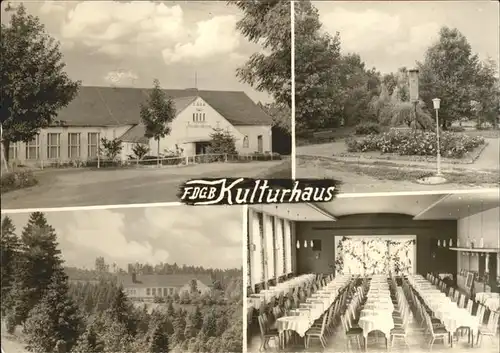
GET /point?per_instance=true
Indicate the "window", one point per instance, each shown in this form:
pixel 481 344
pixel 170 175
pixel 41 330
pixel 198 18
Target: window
pixel 249 252
pixel 171 291
pixel 13 150
pixel 198 117
pixel 154 292
pixel 245 142
pixel 53 145
pixel 260 218
pixel 73 145
pixel 275 246
pixel 93 143
pixel 283 250
pixel 165 292
pixel 148 291
pixel 33 148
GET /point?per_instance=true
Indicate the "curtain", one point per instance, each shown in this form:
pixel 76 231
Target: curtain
pixel 269 241
pixel 257 267
pixel 288 246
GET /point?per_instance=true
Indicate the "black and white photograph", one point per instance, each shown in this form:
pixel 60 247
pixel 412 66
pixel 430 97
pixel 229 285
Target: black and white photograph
pixel 405 273
pixel 119 102
pixel 398 95
pixel 157 279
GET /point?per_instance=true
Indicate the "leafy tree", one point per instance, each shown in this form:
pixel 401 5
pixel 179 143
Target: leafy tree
pixel 100 264
pixel 318 90
pixel 281 115
pixel 157 114
pixel 267 23
pixel 487 93
pixel 140 150
pixel 111 148
pixel 449 72
pixel 34 83
pixel 55 321
pixel 222 142
pixel 9 252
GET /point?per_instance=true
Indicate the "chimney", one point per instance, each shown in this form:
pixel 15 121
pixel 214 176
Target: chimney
pixel 134 277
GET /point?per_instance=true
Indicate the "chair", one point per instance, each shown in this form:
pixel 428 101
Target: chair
pixel 439 333
pixel 351 333
pixel 490 329
pixel 461 300
pixel 266 333
pixel 318 332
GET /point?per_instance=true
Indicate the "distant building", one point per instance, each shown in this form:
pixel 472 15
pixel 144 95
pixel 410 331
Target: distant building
pixel 148 287
pixel 114 112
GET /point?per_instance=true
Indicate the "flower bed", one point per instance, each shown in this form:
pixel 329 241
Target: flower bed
pixel 416 143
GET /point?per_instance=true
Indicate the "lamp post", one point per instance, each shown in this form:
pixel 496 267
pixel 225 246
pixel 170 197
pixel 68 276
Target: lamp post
pixel 437 104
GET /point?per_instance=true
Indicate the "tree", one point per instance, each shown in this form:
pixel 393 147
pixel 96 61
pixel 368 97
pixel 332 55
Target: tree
pixel 157 114
pixel 318 89
pixel 267 23
pixel 54 323
pixel 158 340
pixel 34 83
pixel 140 150
pixel 100 264
pixel 449 73
pixel 222 142
pixel 89 341
pixel 9 252
pixel 111 148
pixel 487 93
pixel 39 261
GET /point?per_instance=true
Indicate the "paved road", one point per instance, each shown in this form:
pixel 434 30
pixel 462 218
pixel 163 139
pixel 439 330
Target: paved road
pixel 66 188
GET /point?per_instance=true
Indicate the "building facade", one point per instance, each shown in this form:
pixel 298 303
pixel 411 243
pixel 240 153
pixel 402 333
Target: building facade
pixel 107 112
pixel 148 287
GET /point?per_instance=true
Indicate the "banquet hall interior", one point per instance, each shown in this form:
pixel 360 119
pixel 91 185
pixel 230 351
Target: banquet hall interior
pixel 375 273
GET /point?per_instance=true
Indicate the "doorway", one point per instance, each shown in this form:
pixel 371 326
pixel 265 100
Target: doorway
pixel 201 147
pixel 260 144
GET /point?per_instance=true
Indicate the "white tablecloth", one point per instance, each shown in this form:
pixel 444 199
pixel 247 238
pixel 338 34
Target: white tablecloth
pixel 491 300
pixel 380 323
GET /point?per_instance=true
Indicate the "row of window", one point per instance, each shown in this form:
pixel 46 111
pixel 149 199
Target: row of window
pixel 269 247
pixel 54 146
pixel 198 117
pixel 160 291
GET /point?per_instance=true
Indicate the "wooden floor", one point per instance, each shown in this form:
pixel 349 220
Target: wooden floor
pixel 376 343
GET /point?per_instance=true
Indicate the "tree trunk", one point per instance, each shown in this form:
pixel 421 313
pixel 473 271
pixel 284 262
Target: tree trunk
pixel 158 151
pixel 6 149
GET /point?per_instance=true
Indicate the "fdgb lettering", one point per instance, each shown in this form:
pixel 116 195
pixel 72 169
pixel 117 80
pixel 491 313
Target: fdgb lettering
pixel 205 192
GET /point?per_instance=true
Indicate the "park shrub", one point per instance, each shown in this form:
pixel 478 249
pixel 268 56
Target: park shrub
pixel 17 180
pixel 416 143
pixel 367 128
pixel 456 129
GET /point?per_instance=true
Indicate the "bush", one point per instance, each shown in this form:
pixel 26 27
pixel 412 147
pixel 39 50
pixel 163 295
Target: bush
pixel 17 180
pixel 153 160
pixel 367 129
pixel 416 143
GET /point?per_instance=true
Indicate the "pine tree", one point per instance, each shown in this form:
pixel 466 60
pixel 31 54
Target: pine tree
pixel 209 327
pixel 222 142
pixel 9 251
pixel 158 340
pixel 89 341
pixel 197 318
pixel 55 321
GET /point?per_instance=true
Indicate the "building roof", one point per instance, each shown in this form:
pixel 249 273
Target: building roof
pixel 157 280
pixel 112 106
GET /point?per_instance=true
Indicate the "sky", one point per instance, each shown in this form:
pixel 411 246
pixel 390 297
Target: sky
pixel 209 236
pixel 131 43
pixel 389 35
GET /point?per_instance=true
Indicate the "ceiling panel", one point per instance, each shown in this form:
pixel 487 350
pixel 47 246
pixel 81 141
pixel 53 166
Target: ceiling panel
pixel 403 204
pixel 301 212
pixel 462 204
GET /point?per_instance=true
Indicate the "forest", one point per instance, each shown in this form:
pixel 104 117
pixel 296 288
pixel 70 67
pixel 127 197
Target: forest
pixel 54 308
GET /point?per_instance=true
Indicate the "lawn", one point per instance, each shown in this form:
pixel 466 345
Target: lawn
pixel 84 187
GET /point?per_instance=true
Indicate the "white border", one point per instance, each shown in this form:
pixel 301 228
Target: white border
pixel 292 46
pixel 244 252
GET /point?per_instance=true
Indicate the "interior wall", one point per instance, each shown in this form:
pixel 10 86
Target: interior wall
pixel 472 227
pixel 429 256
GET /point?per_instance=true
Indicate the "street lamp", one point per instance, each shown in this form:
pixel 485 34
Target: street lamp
pixel 437 104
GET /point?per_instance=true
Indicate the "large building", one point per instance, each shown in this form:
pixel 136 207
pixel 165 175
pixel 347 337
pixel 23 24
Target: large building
pixel 112 112
pixel 148 287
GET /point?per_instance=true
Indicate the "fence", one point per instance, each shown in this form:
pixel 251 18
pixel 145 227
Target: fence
pixel 148 161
